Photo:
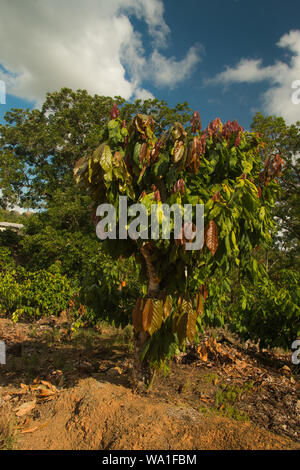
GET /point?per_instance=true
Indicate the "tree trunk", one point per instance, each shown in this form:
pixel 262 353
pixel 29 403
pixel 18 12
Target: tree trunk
pixel 153 281
pixel 142 369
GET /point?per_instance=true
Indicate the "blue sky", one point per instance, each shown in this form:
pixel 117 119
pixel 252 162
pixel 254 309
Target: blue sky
pixel 226 58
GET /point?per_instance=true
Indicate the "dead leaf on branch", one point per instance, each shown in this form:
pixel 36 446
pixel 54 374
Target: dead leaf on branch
pixel 147 314
pixel 167 308
pixel 184 320
pixel 137 315
pixel 211 237
pixel 157 316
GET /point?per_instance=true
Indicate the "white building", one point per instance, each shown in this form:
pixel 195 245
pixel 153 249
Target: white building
pixel 11 226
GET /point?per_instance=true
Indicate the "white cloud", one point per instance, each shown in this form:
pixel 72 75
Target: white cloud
pixel 85 44
pixel 278 98
pixel 170 71
pixel 161 70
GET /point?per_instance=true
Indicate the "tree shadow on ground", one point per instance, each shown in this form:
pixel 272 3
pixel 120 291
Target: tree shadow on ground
pixel 50 354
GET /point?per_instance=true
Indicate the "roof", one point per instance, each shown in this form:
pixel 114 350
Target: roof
pixel 11 225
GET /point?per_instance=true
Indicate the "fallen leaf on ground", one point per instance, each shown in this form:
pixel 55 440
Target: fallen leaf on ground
pixel 35 428
pixel 45 392
pixel 24 386
pixel 203 353
pixel 25 408
pixel 49 385
pixel 241 364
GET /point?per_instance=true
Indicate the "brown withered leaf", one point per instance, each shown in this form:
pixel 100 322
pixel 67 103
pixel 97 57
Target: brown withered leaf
pixel 143 152
pixel 178 151
pixel 24 386
pixel 117 158
pixel 203 352
pixel 193 154
pixel 191 329
pixel 35 428
pixel 137 315
pixel 25 408
pixel 184 321
pixel 80 165
pixel 142 172
pixel 196 152
pixel 217 196
pixel 189 157
pixel 49 385
pixel 211 237
pixel 157 316
pixel 204 292
pixel 147 314
pixel 199 304
pixel 45 392
pixel 168 303
pixel 141 122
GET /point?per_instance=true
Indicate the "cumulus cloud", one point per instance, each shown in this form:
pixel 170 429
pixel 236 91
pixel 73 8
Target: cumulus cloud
pixel 281 76
pixel 89 44
pixel 163 71
pixel 170 71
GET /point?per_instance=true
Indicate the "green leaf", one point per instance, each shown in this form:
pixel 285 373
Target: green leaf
pixel 106 159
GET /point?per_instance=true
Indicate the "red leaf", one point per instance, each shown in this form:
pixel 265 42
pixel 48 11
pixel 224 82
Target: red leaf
pixel 211 237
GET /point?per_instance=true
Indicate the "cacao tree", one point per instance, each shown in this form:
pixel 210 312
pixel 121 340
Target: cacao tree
pixel 219 167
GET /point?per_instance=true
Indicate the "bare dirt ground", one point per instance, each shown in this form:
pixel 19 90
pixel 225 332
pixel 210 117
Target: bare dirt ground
pixel 74 391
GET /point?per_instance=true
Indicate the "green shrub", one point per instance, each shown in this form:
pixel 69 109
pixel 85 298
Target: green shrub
pixel 6 258
pixel 73 250
pixel 109 288
pixel 34 294
pixel 9 238
pixel 269 311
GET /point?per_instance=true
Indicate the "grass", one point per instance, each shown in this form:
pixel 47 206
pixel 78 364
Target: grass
pixel 122 338
pixel 7 431
pixel 33 331
pixel 187 386
pixel 85 338
pixel 60 361
pixel 226 398
pixel 32 365
pixel 51 336
pixel 207 410
pixel 211 378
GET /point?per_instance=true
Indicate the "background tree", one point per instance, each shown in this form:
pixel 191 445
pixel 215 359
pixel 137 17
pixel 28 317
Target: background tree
pixel 284 140
pixel 268 311
pixel 38 148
